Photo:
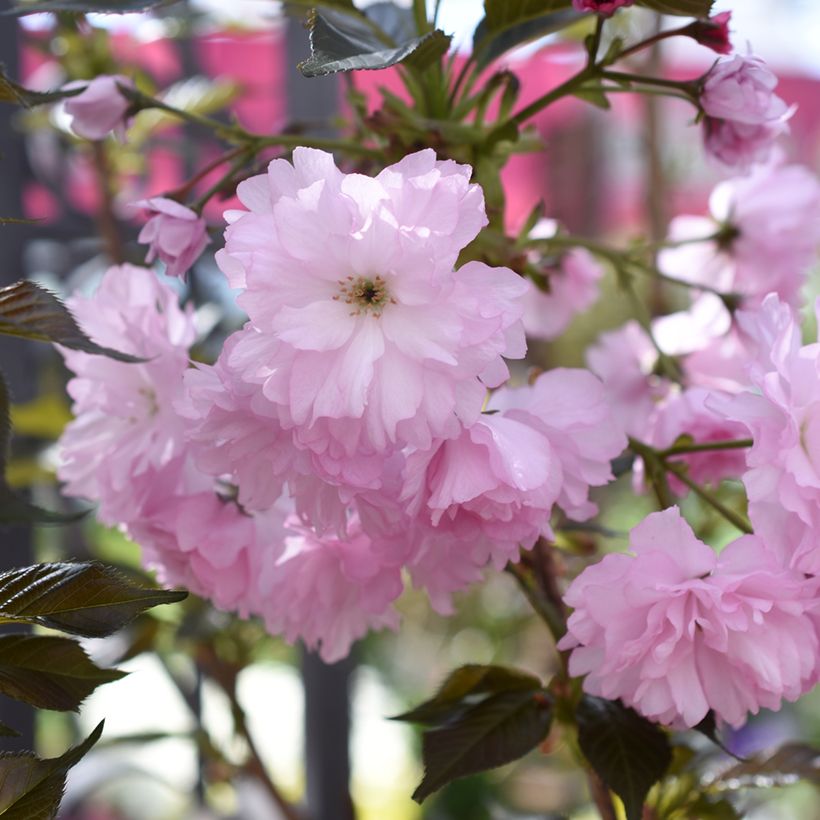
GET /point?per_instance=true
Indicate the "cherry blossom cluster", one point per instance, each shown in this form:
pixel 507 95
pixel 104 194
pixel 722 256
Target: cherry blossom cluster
pixel 675 630
pixel 356 429
pixel 363 427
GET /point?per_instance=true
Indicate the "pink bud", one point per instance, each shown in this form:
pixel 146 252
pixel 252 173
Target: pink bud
pixel 175 234
pixel 712 32
pixel 100 108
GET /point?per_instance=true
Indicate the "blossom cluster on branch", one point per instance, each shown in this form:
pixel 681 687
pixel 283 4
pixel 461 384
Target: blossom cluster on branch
pixel 363 426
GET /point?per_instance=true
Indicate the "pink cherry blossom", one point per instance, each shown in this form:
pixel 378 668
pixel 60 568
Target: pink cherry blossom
pixel 625 360
pixel 606 8
pixel 744 116
pixel 175 234
pixel 100 108
pixel 782 413
pixel 762 237
pixel 125 424
pixel 573 287
pixel 196 538
pixel 687 413
pixel 676 630
pixel 329 591
pixel 367 339
pixel 497 482
pixel 570 408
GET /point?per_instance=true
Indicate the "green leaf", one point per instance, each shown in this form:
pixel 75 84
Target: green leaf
pixel 596 96
pixel 342 42
pixel 789 762
pixel 49 672
pixel 490 43
pixel 629 753
pixel 86 6
pixel 32 312
pixel 88 599
pixel 500 729
pixel 12 92
pixel 680 8
pixel 468 682
pixel 31 788
pixel 503 14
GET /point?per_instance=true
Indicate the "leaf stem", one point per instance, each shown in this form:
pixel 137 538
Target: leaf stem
pixel 705 447
pixel 735 518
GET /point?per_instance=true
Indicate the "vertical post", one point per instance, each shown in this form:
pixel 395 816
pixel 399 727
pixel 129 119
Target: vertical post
pixel 327 732
pixel 16 355
pixel 315 102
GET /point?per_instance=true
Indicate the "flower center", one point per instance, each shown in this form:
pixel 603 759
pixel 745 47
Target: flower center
pixel 364 293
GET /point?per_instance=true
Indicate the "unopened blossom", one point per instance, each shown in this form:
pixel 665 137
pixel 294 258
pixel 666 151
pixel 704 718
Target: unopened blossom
pixel 712 32
pixel 176 235
pixel 744 116
pixel 675 630
pixel 125 424
pixel 606 8
pixel 100 108
pixel 330 590
pixel 367 339
pixel 762 235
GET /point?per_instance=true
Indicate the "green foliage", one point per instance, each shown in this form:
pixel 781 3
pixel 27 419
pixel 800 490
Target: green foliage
pixel 22 7
pixel 31 788
pixel 510 24
pixel 482 717
pixel 49 672
pixel 629 753
pixel 463 686
pixel 88 599
pixel 340 41
pixel 12 92
pixel 31 312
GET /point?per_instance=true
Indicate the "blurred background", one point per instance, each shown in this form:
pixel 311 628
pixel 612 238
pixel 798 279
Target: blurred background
pixel 208 693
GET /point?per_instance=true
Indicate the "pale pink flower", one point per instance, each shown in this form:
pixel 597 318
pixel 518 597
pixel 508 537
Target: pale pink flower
pixel 572 410
pixel 125 424
pixel 677 630
pixel 367 338
pixel 195 538
pixel 762 237
pixel 688 414
pixel 175 234
pixel 793 541
pixel 235 433
pixel 687 331
pixel 744 116
pixel 625 360
pixel 782 415
pixel 605 8
pixel 100 108
pixel 329 591
pixel 497 482
pixel 573 287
